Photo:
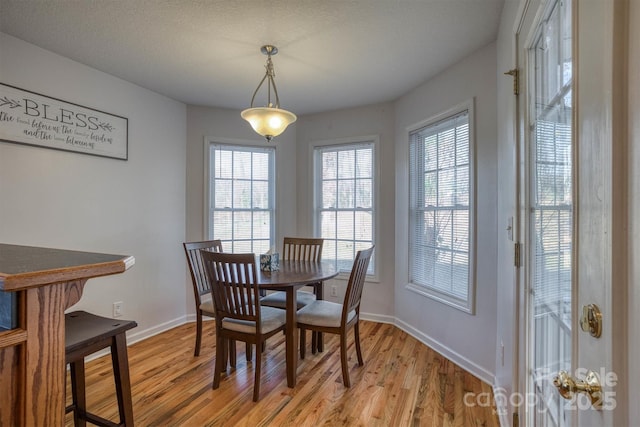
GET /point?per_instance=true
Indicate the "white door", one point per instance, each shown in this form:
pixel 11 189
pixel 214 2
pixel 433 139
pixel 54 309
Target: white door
pixel 573 211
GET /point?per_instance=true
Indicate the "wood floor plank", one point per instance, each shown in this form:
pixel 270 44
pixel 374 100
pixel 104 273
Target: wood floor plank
pixel 402 383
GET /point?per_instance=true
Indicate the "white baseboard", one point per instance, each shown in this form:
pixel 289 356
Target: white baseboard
pixel 447 352
pixel 380 318
pixel 140 335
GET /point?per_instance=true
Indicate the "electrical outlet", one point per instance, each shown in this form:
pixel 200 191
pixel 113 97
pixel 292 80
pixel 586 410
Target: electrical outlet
pixel 334 291
pixel 117 308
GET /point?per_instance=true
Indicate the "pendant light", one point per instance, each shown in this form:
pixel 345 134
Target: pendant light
pixel 271 120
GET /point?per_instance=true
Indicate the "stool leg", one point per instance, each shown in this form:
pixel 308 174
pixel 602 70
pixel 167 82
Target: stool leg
pixel 123 384
pixel 78 395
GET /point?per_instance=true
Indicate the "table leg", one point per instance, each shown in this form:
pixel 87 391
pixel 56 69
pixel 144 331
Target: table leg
pixel 320 296
pixel 44 356
pixel 292 337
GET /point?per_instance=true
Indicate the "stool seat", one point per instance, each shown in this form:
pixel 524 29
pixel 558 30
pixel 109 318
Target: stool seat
pixel 86 333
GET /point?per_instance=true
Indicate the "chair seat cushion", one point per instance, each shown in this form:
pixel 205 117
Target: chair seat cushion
pixel 270 319
pixel 279 299
pixel 206 305
pixel 323 313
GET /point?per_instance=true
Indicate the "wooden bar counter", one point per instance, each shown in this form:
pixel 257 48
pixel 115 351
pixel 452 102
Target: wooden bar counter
pixel 32 355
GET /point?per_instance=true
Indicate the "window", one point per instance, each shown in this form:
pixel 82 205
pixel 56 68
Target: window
pixel 345 187
pixel 442 208
pixel 241 197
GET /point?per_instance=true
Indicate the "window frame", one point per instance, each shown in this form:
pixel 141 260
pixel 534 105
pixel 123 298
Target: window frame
pixel 209 143
pixel 316 147
pixel 466 305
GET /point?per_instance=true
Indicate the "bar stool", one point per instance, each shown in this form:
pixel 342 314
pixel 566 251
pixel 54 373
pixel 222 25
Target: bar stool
pixel 87 333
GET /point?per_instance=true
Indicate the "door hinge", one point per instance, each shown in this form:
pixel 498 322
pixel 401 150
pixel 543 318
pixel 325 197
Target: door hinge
pixel 516 80
pixel 517 254
pixel 516 420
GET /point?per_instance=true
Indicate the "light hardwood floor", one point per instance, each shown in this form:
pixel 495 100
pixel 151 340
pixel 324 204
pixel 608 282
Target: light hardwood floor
pixel 403 383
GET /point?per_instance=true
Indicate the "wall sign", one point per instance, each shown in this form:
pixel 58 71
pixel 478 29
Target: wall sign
pixel 30 118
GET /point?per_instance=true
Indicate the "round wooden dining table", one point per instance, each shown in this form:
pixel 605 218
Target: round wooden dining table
pixel 291 276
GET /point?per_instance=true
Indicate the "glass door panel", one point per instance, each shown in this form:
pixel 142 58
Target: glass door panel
pixel 550 196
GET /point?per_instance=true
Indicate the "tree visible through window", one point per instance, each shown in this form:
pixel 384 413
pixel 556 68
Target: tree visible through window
pixel 241 197
pixel 344 177
pixel 441 211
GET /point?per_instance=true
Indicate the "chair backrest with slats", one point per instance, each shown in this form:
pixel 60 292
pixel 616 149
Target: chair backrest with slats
pixel 356 282
pixel 234 285
pixel 198 275
pixel 303 249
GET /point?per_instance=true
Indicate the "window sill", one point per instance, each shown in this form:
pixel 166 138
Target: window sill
pixel 464 306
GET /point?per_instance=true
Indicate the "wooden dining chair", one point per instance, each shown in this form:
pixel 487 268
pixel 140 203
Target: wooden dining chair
pixel 303 249
pixel 333 318
pixel 239 315
pixel 202 290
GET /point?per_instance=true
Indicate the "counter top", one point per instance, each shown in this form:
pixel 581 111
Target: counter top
pixel 23 267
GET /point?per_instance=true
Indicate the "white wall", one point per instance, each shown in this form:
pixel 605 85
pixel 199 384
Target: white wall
pixel 469 340
pixel 74 201
pixel 373 120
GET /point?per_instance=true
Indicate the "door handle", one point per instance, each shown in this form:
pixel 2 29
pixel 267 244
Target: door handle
pixel 567 386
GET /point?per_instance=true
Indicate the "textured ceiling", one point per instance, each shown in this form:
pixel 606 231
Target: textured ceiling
pixel 333 53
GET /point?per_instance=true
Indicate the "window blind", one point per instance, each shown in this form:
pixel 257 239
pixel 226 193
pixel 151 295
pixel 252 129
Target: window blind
pixel 440 207
pixel 241 197
pixel 552 223
pixel 344 176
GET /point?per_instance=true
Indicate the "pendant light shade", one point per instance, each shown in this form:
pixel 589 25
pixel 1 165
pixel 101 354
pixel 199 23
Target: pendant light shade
pixel 271 120
pixel 268 121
